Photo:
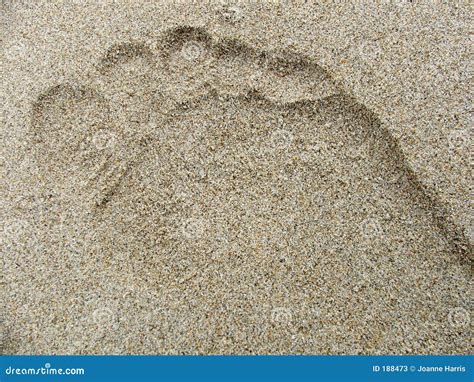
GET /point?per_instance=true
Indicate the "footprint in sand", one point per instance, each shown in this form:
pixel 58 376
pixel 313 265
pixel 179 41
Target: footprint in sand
pixel 245 178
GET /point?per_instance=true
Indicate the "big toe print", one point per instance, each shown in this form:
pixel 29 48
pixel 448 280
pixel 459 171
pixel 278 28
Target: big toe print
pixel 279 212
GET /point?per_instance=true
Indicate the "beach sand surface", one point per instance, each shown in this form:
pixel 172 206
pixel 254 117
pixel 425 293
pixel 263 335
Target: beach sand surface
pixel 258 178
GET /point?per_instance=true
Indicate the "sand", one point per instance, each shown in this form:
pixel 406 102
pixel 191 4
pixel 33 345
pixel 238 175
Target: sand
pixel 231 179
